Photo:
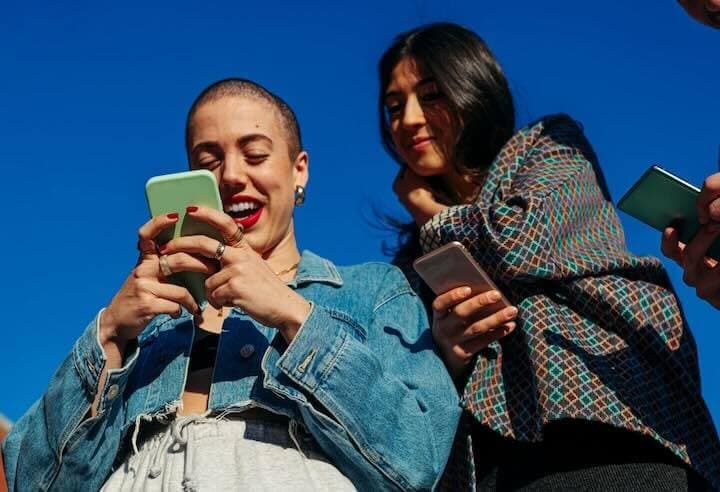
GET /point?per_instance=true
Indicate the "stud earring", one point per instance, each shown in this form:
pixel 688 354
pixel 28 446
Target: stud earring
pixel 299 195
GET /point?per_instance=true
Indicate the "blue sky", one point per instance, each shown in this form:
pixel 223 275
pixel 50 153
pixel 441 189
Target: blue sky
pixel 93 102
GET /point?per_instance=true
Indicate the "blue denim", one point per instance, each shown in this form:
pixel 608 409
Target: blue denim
pixel 362 376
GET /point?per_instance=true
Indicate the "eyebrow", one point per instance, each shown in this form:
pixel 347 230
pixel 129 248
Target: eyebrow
pixel 426 80
pixel 211 144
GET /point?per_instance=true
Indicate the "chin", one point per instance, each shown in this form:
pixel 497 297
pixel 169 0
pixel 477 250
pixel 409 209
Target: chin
pixel 426 169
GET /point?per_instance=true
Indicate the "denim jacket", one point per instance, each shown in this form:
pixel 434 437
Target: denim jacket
pixel 361 379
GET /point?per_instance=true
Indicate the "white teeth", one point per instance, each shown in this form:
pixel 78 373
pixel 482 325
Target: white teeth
pixel 241 207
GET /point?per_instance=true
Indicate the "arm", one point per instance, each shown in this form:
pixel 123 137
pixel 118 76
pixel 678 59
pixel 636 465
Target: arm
pixel 383 406
pixel 71 435
pixel 54 444
pixel 543 203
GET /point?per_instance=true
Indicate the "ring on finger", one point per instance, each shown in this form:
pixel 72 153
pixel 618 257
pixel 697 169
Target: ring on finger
pixel 236 238
pixel 165 266
pixel 219 250
pixel 146 247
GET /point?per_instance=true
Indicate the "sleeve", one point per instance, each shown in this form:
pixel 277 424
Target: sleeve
pixel 53 443
pixel 544 212
pixel 381 402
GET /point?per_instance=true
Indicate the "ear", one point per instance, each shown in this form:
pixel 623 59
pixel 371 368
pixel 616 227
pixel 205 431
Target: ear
pixel 300 169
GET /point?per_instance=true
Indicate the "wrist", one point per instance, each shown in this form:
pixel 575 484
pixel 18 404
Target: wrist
pixel 296 316
pixel 108 332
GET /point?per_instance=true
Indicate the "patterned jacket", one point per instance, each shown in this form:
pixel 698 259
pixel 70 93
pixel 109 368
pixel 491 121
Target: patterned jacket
pixel 600 334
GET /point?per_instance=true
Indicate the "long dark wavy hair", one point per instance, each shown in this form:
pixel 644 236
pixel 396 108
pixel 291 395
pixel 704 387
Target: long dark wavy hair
pixel 478 94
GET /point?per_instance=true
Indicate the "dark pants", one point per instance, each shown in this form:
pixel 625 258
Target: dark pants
pixel 577 455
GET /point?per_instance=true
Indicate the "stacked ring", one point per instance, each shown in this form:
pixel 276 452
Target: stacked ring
pixel 236 238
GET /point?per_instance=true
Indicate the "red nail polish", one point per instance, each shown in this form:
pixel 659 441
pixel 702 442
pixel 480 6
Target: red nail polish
pixel 191 209
pixel 173 215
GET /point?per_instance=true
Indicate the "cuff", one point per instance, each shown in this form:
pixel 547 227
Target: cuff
pixel 89 359
pixel 313 352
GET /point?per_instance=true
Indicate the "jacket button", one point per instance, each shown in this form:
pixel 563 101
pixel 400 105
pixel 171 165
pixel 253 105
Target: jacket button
pixel 112 391
pixel 246 351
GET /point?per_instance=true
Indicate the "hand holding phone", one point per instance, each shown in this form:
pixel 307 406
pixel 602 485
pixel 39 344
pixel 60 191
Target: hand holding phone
pixel 174 193
pixel 463 322
pixel 662 200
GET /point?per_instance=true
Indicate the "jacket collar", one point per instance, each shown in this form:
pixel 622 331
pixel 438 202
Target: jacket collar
pixel 314 268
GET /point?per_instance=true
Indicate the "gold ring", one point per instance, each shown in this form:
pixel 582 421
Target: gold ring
pixel 219 250
pixel 236 238
pixel 165 267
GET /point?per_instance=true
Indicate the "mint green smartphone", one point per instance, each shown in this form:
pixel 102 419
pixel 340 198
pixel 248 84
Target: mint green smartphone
pixel 174 193
pixel 661 199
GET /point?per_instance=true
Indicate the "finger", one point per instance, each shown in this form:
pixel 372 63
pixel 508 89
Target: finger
pixel 671 246
pixel 708 286
pixel 222 296
pixel 183 262
pixel 219 220
pixel 174 309
pixel 478 304
pixel 174 294
pixel 476 344
pixel 197 245
pixel 694 254
pixel 147 248
pixel 491 322
pixel 714 211
pixel 708 205
pixel 153 227
pixel 445 301
pixel 221 277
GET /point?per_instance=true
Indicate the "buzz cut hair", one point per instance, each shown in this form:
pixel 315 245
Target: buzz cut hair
pixel 233 87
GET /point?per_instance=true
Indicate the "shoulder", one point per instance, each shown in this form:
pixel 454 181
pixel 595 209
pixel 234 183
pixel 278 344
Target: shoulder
pixel 554 130
pixel 365 284
pixel 374 276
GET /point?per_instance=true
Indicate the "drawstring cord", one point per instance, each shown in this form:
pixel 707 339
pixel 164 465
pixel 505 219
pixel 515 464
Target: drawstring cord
pixel 179 436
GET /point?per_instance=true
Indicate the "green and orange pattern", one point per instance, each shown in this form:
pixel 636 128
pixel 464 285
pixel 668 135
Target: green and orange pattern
pixel 600 334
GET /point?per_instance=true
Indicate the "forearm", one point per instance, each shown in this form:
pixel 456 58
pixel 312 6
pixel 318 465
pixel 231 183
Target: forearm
pixel 405 423
pixel 56 431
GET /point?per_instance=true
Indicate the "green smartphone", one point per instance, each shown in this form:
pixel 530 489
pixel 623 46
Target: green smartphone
pixel 174 193
pixel 661 199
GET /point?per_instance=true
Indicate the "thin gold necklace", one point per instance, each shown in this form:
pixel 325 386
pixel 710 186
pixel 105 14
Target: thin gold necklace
pixel 281 272
pixel 287 270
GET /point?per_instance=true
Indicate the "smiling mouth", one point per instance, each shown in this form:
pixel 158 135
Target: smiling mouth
pixel 241 210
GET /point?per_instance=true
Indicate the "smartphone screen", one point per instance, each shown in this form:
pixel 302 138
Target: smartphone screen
pixel 450 267
pixel 660 199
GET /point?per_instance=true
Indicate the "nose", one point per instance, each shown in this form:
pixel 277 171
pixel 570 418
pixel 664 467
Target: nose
pixel 413 114
pixel 234 171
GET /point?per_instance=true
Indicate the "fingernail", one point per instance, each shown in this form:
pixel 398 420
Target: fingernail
pixel 173 215
pixel 191 209
pixel 511 312
pixel 494 296
pixel 162 248
pixel 466 291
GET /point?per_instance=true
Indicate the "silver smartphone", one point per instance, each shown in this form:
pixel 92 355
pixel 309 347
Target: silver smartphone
pixel 452 266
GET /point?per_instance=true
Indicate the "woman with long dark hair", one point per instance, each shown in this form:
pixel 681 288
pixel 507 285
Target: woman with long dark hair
pixel 590 381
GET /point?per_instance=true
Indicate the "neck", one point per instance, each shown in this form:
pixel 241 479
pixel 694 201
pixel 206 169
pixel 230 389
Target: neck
pixel 284 254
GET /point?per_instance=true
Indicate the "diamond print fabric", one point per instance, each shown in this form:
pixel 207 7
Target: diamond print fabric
pixel 600 335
